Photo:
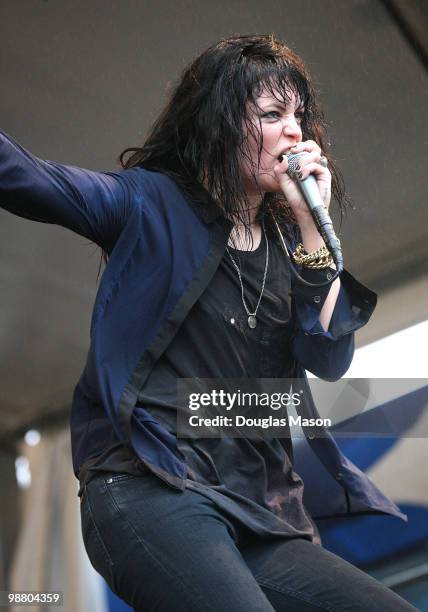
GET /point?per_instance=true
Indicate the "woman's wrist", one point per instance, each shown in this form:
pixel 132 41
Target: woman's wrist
pixel 311 238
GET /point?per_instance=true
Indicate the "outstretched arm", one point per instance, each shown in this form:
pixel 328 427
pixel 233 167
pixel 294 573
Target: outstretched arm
pixel 93 204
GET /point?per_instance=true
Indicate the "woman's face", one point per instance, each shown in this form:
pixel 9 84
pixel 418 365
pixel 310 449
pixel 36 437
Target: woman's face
pixel 280 129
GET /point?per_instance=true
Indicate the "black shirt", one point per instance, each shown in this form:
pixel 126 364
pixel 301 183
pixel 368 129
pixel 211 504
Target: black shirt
pixel 252 479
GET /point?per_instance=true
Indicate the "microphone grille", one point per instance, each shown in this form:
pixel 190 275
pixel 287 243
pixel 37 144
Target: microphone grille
pixel 293 162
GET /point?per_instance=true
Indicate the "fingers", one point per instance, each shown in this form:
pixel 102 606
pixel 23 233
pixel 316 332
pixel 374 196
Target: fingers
pixel 306 145
pixel 322 176
pixel 313 168
pixel 306 163
pixel 310 147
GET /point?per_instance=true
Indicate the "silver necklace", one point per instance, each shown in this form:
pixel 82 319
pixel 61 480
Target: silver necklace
pixel 252 316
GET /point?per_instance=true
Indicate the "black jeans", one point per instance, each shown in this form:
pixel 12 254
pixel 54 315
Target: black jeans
pixel 172 551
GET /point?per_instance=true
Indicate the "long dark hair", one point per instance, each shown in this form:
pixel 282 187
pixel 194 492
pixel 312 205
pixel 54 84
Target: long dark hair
pixel 198 138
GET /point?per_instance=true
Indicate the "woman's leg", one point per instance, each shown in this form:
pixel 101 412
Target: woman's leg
pixel 299 576
pixel 165 550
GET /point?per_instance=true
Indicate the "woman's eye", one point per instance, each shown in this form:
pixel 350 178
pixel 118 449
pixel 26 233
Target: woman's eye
pixel 270 113
pixel 274 114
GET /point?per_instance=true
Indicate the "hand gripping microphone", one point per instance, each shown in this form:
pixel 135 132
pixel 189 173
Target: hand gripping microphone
pixel 312 196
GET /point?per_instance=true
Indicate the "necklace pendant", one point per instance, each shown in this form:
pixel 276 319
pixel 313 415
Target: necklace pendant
pixel 252 321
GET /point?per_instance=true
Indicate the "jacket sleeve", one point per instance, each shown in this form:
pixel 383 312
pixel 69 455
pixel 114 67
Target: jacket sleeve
pixel 328 354
pixel 95 205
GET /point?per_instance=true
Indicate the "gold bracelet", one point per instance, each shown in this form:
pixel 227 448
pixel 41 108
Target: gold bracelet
pixel 319 259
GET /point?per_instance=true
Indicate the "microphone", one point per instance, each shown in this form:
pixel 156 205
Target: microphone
pixel 312 196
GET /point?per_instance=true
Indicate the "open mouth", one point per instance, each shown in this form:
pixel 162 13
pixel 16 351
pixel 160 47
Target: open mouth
pixel 285 153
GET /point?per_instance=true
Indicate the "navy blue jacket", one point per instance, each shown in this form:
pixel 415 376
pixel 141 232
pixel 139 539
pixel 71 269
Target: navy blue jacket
pixel 164 247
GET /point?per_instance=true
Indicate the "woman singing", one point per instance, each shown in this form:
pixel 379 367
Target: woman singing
pixel 198 285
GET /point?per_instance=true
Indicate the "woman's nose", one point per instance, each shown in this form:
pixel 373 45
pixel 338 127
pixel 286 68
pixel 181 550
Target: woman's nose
pixel 291 127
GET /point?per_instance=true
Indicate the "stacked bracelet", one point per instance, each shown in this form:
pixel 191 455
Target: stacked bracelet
pixel 318 259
